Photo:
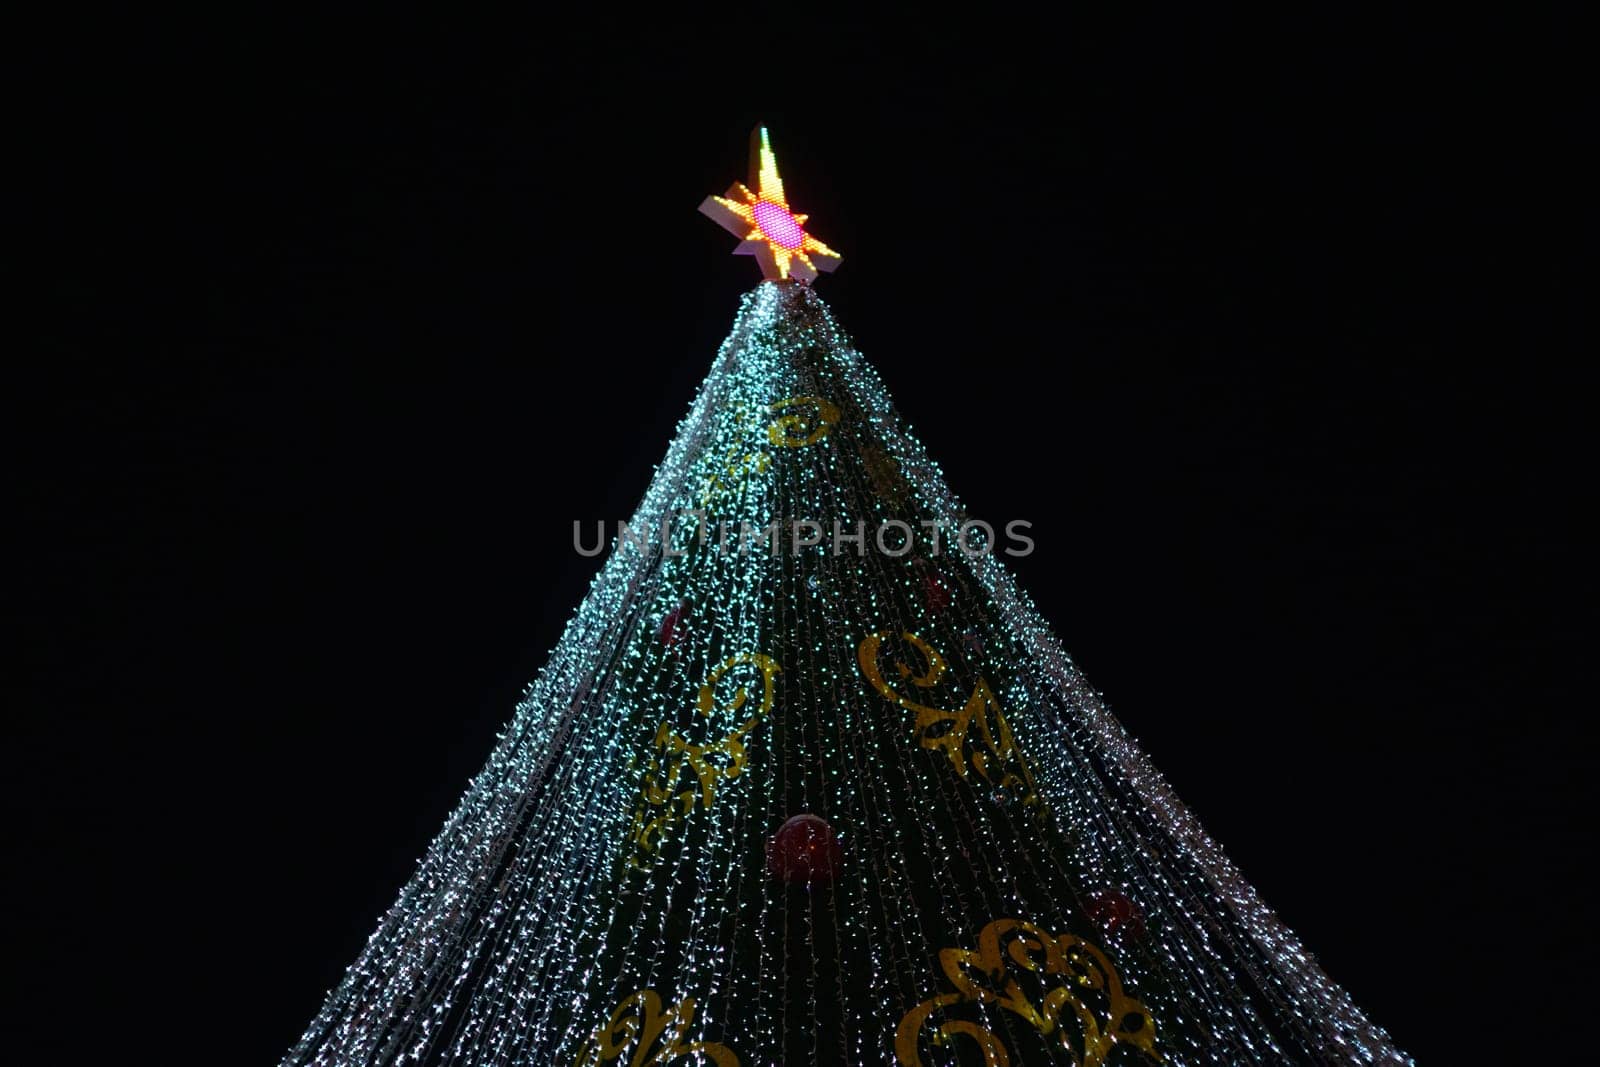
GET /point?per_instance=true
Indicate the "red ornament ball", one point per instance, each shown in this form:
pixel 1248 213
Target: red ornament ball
pixel 673 628
pixel 804 851
pixel 1115 913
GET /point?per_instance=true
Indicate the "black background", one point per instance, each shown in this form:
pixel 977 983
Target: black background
pixel 1267 326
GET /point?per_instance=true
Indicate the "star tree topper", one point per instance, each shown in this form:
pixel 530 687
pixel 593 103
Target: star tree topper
pixel 766 227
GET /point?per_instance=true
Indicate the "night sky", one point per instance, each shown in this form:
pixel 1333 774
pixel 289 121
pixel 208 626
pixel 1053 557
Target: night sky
pixel 1268 328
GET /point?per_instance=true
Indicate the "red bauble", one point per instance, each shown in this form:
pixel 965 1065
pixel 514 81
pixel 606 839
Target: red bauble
pixel 934 593
pixel 672 626
pixel 1115 913
pixel 804 851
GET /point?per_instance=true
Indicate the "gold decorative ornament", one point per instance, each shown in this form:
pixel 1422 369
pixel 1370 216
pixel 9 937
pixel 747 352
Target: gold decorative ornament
pixel 883 471
pixel 810 425
pixel 808 421
pixel 1081 1003
pixel 656 1037
pixel 668 794
pixel 992 754
pixel 737 469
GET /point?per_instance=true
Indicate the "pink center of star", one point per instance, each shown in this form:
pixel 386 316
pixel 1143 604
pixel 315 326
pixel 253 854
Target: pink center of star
pixel 778 226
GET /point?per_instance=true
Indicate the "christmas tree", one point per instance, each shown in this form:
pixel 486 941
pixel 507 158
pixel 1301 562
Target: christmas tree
pixel 808 780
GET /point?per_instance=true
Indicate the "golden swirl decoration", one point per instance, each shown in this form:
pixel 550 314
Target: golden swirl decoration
pixel 810 424
pixel 663 798
pixel 993 754
pixel 808 427
pixel 883 471
pixel 735 470
pixel 1102 1014
pixel 738 464
pixel 656 1037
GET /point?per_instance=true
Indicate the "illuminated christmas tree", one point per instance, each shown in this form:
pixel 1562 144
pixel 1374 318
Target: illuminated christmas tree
pixel 808 780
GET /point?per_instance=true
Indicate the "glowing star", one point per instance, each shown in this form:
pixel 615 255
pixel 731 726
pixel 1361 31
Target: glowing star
pixel 766 227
